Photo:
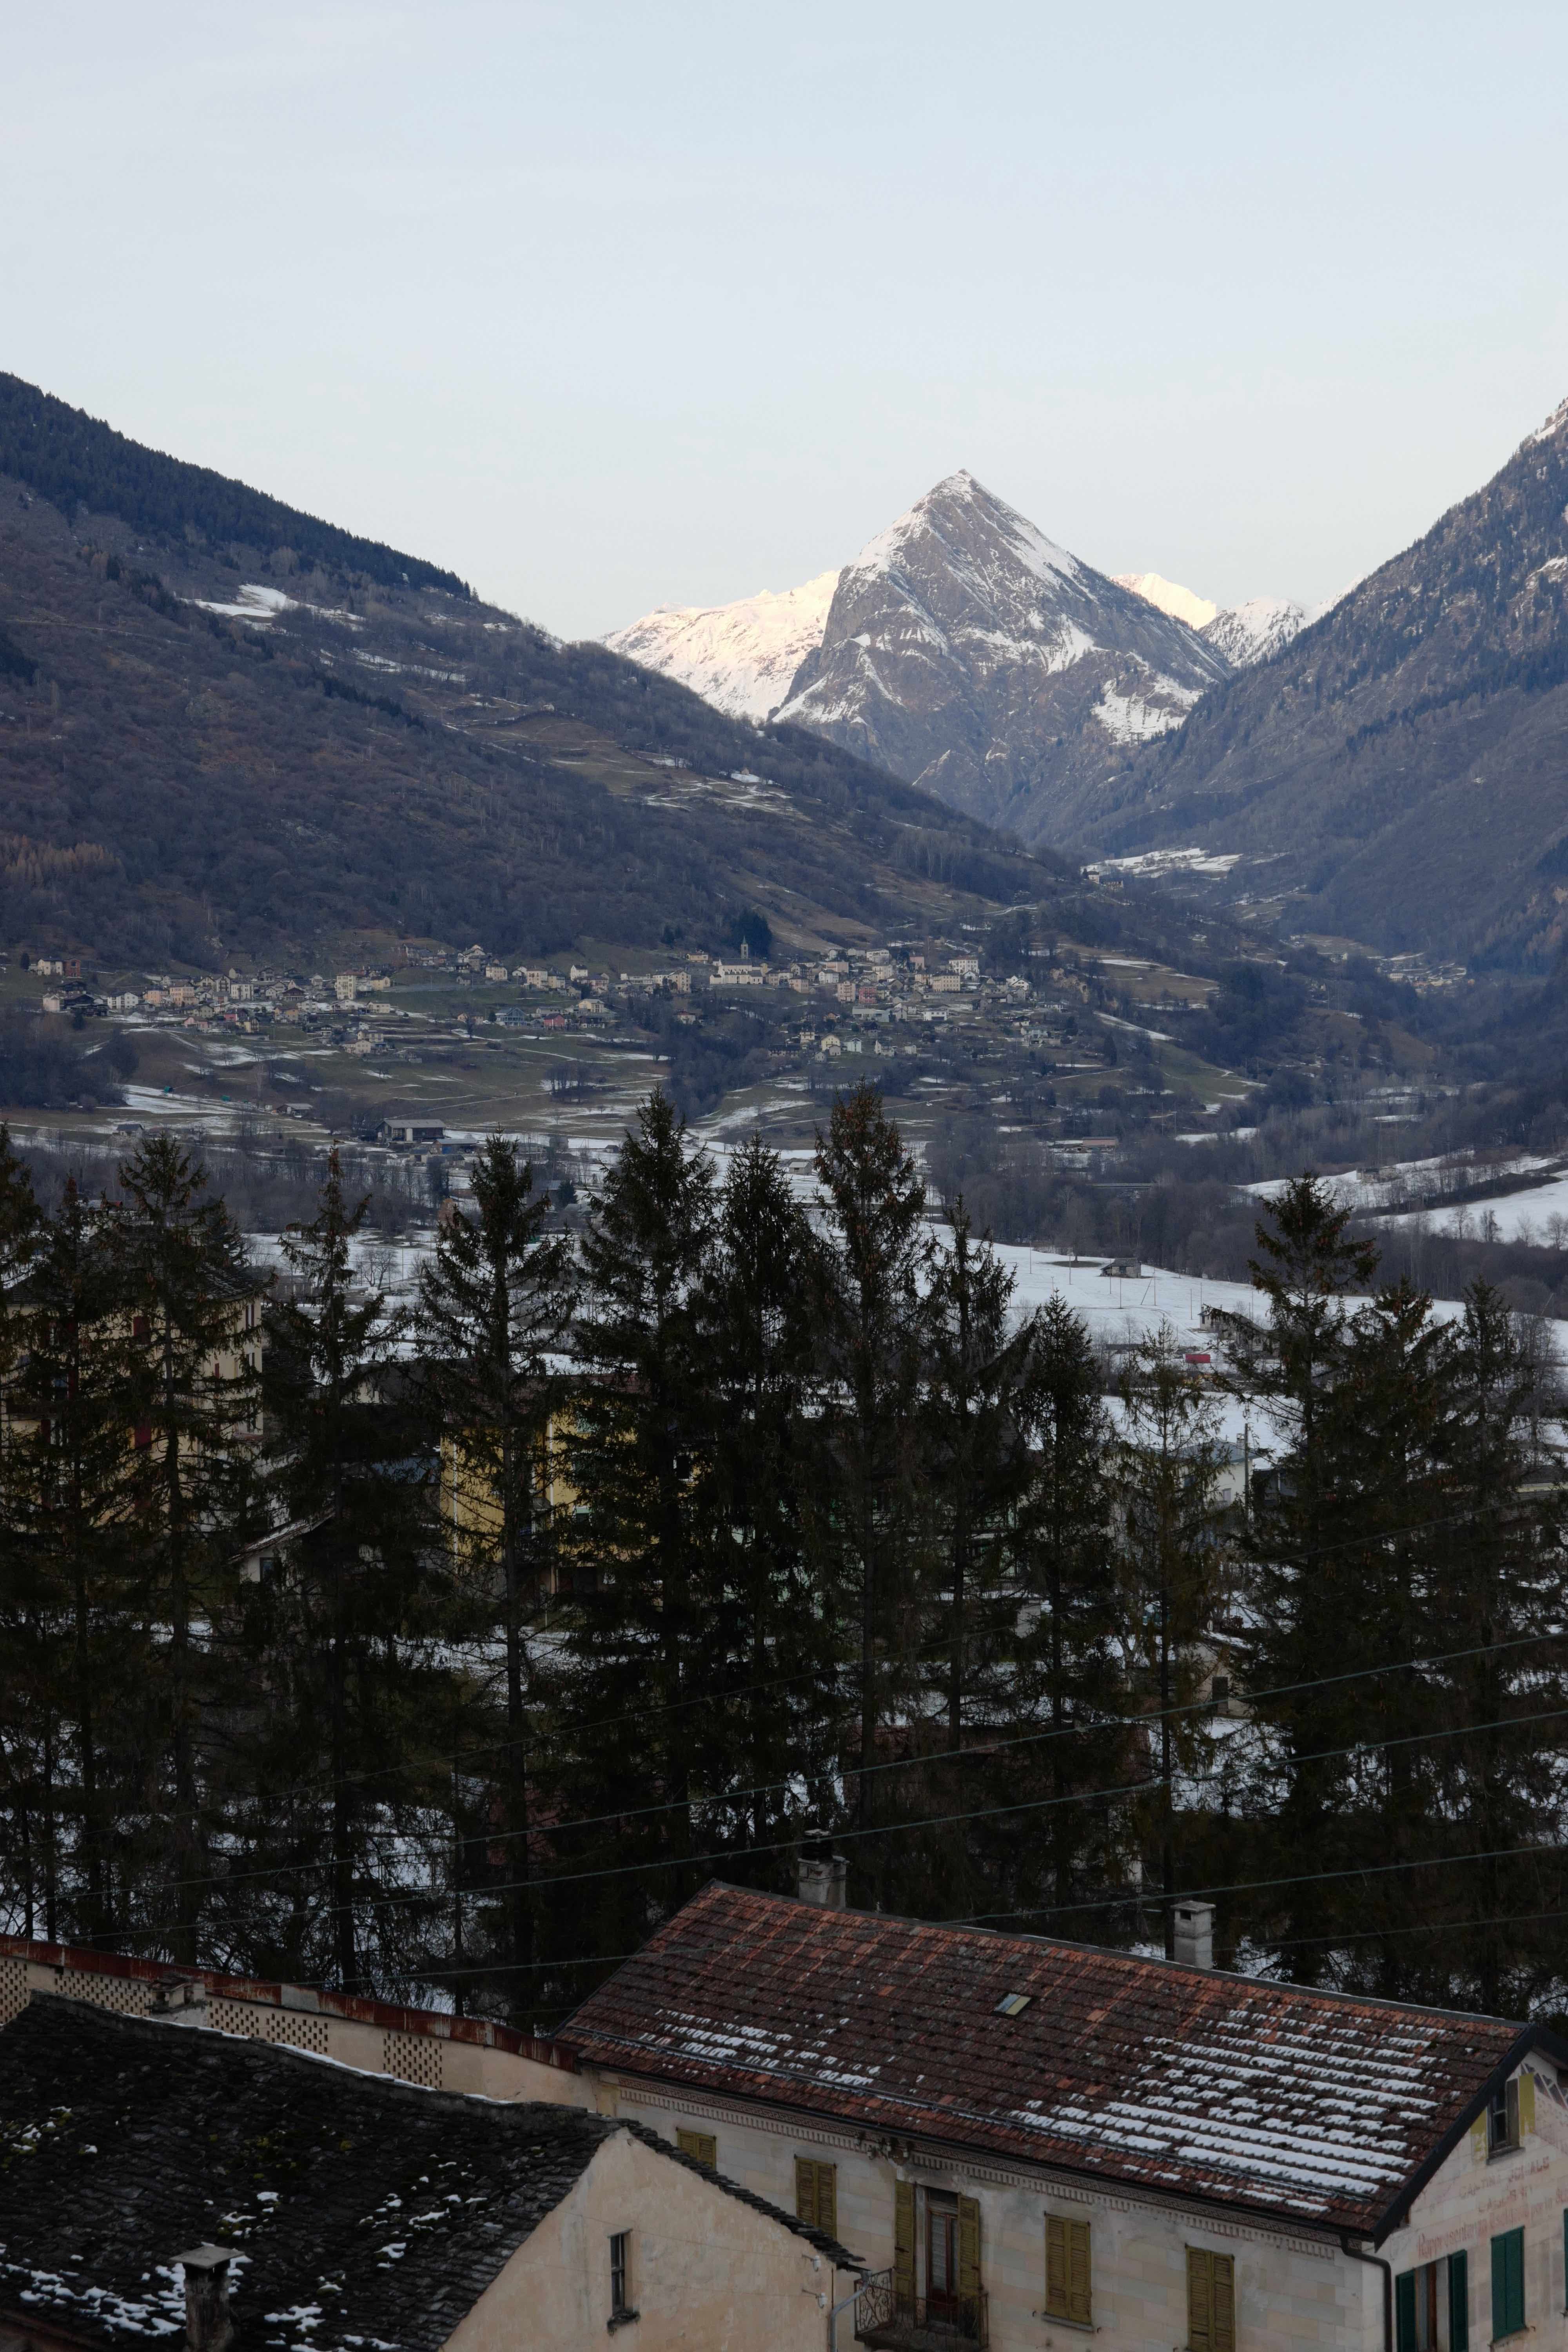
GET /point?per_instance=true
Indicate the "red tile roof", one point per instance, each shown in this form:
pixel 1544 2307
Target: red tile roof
pixel 1313 2106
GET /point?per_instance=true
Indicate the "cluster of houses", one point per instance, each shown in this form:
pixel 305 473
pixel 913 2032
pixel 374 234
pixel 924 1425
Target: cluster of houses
pixel 784 2123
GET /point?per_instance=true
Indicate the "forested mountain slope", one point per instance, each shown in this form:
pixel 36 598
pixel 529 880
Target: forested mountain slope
pixel 214 743
pixel 1402 765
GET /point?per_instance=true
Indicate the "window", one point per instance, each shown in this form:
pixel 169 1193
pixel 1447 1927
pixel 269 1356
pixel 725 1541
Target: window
pixel 1508 2282
pixel 621 2278
pixel 1502 2118
pixel 1211 2301
pixel 701 2145
pixel 816 2194
pixel 1067 2271
pixel 1432 2307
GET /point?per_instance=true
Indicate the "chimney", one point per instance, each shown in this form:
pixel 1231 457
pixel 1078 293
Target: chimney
pixel 1193 1937
pixel 181 2001
pixel 820 1874
pixel 208 2326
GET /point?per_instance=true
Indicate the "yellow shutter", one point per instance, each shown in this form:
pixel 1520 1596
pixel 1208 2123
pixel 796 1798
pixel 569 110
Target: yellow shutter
pixel 1055 2267
pixel 1526 2103
pixel 1079 2272
pixel 904 2244
pixel 1200 2300
pixel 968 2253
pixel 806 2190
pixel 1478 2140
pixel 828 2198
pixel 701 2145
pixel 1224 2302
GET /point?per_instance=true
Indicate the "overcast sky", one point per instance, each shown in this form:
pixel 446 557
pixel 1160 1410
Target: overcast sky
pixel 611 306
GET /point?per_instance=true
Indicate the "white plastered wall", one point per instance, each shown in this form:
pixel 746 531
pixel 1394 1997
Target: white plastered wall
pixel 1293 2291
pixel 1476 2196
pixel 706 2271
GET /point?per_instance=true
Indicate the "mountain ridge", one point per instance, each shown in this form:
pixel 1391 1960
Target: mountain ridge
pixel 1400 765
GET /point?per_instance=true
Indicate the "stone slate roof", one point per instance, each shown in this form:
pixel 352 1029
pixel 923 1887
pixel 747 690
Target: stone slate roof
pixel 1315 2107
pixel 363 2211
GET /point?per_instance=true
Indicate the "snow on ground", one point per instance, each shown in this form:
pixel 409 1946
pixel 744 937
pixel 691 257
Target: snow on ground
pixel 1527 1216
pixel 1368 1190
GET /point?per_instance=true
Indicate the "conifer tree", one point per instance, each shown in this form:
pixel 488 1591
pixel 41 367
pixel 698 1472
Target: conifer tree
pixel 771 1640
pixel 496 1303
pixel 1167 1479
pixel 637 1721
pixel 182 1278
pixel 1069 1678
pixel 71 1539
pixel 339 1640
pixel 870 1335
pixel 1498 1595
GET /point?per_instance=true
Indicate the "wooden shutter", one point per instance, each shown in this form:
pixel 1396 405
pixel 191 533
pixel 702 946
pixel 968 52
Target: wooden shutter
pixel 806 2190
pixel 1079 2272
pixel 904 2244
pixel 1404 2312
pixel 1211 2301
pixel 1459 2303
pixel 1055 2267
pixel 968 2251
pixel 828 2198
pixel 1200 2300
pixel 1526 2101
pixel 703 2145
pixel 1508 2282
pixel 1224 2302
pixel 1478 2140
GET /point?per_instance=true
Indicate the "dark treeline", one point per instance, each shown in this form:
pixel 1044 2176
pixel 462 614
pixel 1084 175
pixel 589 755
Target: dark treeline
pixel 452 1645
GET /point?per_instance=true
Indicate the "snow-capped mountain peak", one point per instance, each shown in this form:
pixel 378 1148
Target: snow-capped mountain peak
pixel 1170 597
pixel 740 656
pixel 1250 632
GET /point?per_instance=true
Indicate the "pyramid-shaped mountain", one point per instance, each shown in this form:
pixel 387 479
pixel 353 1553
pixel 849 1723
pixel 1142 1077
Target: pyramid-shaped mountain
pixel 966 650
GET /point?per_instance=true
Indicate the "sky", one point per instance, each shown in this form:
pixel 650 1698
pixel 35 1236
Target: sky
pixel 614 306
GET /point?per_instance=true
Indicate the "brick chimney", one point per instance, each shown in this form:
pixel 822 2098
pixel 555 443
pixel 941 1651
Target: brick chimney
pixel 208 2326
pixel 821 1874
pixel 1192 1933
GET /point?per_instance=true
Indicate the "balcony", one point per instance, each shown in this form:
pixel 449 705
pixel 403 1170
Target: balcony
pixel 910 2323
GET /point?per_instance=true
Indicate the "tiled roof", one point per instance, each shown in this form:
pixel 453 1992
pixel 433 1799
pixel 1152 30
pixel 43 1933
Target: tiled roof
pixel 363 2211
pixel 1313 2106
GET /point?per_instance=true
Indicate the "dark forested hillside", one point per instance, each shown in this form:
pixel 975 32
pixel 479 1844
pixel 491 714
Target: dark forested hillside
pixel 198 759
pixel 1401 768
pixel 75 462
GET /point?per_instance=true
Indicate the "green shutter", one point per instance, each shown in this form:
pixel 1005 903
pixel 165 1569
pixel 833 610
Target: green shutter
pixel 1508 2284
pixel 1404 2312
pixel 1459 2302
pixel 969 2259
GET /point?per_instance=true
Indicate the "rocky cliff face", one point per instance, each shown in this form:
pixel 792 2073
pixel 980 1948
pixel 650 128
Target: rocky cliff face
pixel 963 650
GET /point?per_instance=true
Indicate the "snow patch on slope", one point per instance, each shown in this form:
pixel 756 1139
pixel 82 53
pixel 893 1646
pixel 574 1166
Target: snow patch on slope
pixel 739 656
pixel 1137 718
pixel 1250 632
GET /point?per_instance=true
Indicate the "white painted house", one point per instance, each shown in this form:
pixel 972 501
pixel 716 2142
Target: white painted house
pixel 1033 2142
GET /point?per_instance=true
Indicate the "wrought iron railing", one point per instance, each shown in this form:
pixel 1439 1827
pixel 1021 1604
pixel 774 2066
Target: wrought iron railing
pixel 909 2323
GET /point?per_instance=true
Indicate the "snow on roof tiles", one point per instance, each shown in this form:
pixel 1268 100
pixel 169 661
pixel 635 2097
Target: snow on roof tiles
pixel 1314 2107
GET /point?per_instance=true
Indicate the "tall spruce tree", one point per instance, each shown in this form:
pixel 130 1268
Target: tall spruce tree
pixel 71 1538
pixel 772 1639
pixel 496 1305
pixel 1168 1458
pixel 183 1278
pixel 639 1727
pixel 1069 1680
pixel 870 1336
pixel 344 1641
pixel 1303 1609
